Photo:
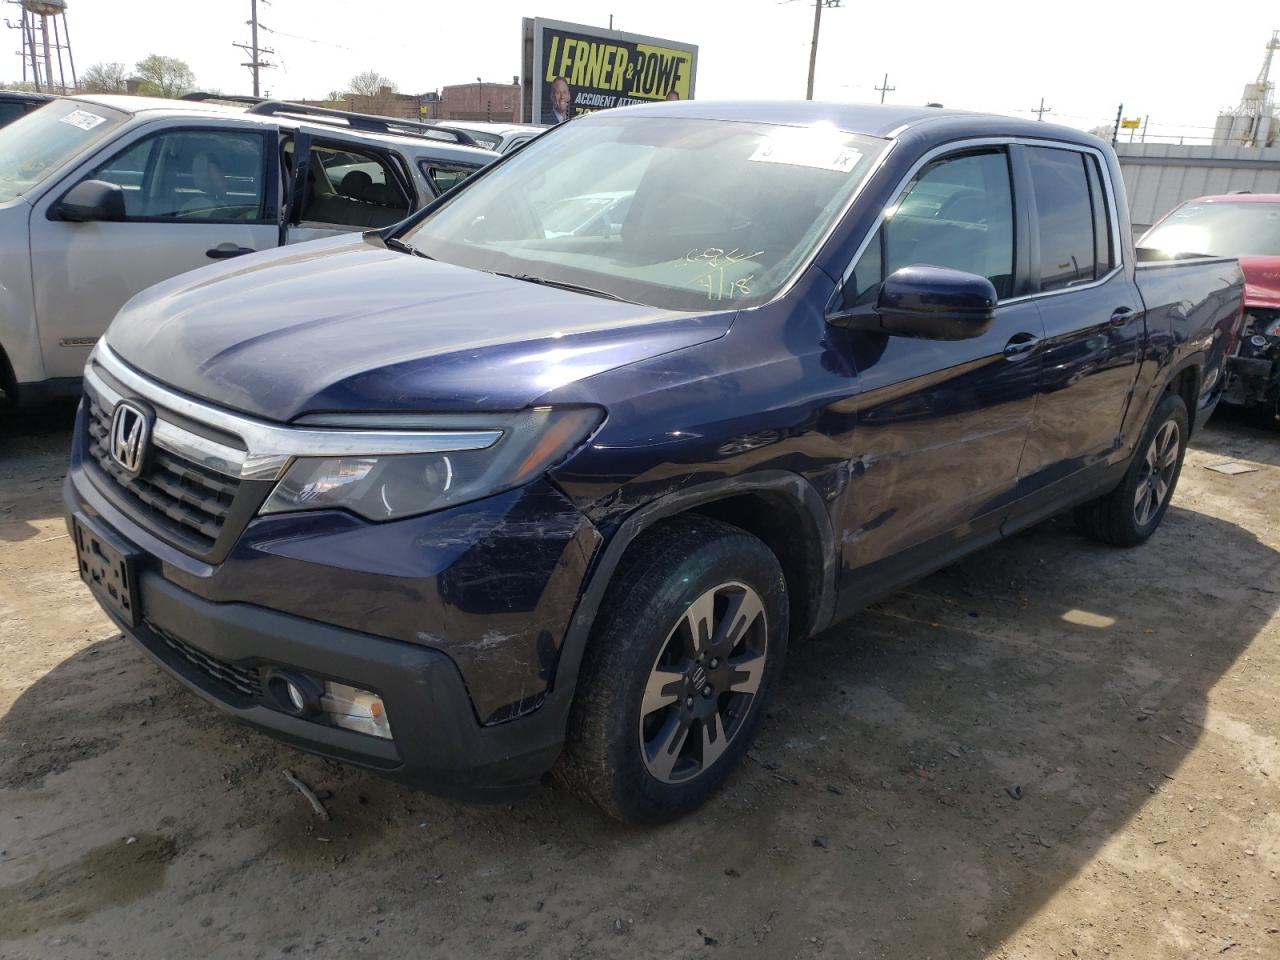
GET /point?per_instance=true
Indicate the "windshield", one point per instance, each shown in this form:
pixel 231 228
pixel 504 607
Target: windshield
pixel 34 146
pixel 1219 230
pixel 675 213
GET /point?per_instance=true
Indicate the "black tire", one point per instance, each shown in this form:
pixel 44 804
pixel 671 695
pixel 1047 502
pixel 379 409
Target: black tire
pixel 1118 518
pixel 642 631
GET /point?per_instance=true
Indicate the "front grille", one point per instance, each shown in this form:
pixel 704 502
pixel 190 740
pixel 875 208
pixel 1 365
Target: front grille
pixel 188 502
pixel 244 682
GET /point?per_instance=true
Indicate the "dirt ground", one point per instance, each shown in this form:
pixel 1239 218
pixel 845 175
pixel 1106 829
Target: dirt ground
pixel 1053 749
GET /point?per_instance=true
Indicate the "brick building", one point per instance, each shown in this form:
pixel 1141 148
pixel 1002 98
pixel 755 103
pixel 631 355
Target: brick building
pixel 499 102
pixel 386 103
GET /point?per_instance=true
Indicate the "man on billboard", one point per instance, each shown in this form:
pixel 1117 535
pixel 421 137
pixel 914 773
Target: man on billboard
pixel 560 100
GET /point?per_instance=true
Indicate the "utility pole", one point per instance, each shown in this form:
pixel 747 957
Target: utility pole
pixel 813 51
pixel 1042 110
pixel 1115 131
pixel 256 63
pixel 1145 121
pixel 884 87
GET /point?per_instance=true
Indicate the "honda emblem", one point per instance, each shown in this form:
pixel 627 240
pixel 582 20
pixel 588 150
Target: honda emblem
pixel 130 430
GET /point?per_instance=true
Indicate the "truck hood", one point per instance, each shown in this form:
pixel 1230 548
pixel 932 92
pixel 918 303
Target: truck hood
pixel 343 325
pixel 1261 282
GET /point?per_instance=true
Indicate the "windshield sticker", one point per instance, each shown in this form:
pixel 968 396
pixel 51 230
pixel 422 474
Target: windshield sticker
pixel 718 257
pixel 712 262
pixel 807 152
pixel 82 119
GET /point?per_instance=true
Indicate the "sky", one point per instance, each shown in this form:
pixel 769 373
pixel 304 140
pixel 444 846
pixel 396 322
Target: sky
pixel 1084 58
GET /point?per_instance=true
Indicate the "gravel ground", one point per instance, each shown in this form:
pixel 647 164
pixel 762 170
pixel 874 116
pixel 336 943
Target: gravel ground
pixel 1052 749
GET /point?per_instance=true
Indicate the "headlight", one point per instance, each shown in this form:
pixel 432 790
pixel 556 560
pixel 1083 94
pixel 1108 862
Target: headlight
pixel 386 487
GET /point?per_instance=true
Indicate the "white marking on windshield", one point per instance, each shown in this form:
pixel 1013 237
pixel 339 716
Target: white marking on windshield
pixel 82 119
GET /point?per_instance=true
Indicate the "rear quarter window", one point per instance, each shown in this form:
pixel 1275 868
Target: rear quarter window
pixel 445 177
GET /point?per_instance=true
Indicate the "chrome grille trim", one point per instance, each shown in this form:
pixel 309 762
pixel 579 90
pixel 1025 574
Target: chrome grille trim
pixel 168 436
pixel 179 499
pixel 271 447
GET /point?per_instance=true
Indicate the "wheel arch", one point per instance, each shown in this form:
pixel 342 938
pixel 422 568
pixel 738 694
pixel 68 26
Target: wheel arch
pixel 767 504
pixel 1184 381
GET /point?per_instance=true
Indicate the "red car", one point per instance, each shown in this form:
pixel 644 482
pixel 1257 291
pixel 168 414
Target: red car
pixel 1246 226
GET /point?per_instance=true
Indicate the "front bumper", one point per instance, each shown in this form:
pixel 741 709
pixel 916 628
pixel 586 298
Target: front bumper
pixel 447 618
pixel 437 743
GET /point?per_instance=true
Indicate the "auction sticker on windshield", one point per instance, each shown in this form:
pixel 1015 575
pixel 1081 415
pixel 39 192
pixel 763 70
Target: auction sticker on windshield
pixel 805 151
pixel 82 119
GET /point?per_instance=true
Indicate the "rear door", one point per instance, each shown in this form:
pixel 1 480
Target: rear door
pixel 343 186
pixel 194 194
pixel 941 425
pixel 1093 316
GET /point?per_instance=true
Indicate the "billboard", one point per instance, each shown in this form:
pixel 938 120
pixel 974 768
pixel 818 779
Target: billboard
pixel 570 69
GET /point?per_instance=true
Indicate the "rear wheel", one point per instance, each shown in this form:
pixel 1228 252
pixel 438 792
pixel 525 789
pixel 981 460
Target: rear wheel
pixel 690 641
pixel 1130 513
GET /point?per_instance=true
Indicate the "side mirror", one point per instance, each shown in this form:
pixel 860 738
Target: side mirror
pixel 932 303
pixel 92 200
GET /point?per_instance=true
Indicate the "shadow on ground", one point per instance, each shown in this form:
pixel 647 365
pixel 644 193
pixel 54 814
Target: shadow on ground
pixel 930 774
pixel 34 447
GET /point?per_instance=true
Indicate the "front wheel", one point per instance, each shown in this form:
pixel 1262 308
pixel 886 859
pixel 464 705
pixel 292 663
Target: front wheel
pixel 1130 513
pixel 691 638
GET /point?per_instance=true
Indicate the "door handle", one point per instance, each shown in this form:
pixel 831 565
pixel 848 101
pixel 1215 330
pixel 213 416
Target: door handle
pixel 1021 346
pixel 1122 315
pixel 225 250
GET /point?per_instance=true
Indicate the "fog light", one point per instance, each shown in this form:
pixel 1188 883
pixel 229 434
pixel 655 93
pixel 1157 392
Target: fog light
pixel 354 709
pixel 293 693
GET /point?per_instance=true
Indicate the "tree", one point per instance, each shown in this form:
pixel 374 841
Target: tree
pixel 370 83
pixel 377 93
pixel 105 78
pixel 164 76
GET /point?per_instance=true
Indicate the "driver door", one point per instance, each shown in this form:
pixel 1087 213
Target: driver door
pixel 193 195
pixel 941 424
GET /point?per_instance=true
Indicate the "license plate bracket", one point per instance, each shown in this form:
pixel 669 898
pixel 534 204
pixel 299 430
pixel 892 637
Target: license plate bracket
pixel 109 568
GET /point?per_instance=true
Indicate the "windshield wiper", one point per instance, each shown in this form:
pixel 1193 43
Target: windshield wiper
pixel 395 243
pixel 562 285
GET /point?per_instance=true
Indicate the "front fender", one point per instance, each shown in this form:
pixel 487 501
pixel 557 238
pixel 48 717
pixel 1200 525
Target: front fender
pixel 776 482
pixel 19 334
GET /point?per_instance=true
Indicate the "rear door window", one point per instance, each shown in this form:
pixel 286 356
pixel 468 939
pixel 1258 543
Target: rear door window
pixel 1064 217
pixel 349 187
pixel 1103 245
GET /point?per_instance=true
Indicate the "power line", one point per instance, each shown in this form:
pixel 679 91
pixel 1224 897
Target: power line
pixel 293 36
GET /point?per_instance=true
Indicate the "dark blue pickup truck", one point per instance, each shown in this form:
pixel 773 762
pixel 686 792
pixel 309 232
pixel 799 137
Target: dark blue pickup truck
pixel 548 476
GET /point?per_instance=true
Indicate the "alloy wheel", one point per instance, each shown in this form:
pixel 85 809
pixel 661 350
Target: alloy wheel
pixel 1156 479
pixel 703 682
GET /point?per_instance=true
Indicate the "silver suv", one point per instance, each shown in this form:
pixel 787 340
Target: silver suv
pixel 102 197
